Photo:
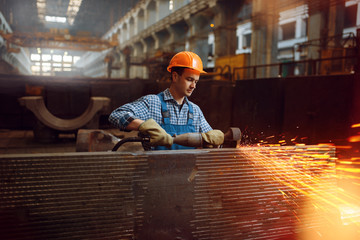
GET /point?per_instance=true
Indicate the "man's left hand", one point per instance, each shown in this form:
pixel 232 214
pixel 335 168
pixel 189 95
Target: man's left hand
pixel 213 137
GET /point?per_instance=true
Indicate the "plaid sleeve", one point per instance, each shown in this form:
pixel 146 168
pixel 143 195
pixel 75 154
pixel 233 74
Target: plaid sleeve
pixel 139 109
pixel 204 126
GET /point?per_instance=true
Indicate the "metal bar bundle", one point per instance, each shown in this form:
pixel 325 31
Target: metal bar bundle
pixel 245 193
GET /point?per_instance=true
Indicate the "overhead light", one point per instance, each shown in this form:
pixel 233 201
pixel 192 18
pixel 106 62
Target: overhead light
pixel 55 19
pixel 73 9
pixel 171 5
pixel 41 8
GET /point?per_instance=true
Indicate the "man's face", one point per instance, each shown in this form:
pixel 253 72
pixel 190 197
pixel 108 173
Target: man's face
pixel 186 83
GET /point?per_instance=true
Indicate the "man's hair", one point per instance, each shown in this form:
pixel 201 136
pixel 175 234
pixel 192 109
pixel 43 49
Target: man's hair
pixel 178 70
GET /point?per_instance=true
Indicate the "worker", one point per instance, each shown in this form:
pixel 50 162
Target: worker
pixel 170 112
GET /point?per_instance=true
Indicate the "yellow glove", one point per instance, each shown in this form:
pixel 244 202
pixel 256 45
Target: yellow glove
pixel 213 137
pixel 158 136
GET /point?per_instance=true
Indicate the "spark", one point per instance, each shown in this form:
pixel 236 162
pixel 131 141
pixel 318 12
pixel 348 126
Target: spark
pixel 355 138
pixel 309 171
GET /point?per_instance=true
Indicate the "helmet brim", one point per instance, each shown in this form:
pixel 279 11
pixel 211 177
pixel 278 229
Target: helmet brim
pixel 201 71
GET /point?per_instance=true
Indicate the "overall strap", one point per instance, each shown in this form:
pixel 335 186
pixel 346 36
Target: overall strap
pixel 190 114
pixel 166 114
pixel 164 111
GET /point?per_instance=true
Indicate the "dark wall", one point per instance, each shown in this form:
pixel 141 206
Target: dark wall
pixel 319 107
pixel 299 110
pixel 302 109
pixel 259 107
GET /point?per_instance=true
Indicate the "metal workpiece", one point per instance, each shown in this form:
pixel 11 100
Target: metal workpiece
pixel 244 193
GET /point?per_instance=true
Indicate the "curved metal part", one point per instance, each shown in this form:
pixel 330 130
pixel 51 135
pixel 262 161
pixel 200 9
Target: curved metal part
pixel 37 106
pixel 125 140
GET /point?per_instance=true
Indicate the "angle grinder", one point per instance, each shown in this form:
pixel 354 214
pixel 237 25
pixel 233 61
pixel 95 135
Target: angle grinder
pixel 231 139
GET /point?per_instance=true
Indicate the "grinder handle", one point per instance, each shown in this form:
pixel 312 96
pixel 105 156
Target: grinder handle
pixel 189 139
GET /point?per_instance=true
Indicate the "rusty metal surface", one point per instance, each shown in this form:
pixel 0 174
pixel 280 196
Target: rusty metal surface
pixel 243 193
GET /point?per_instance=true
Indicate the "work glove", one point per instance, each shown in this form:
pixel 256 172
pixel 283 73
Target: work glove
pixel 158 136
pixel 213 137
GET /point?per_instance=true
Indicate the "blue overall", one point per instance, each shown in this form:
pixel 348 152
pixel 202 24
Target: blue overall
pixel 175 129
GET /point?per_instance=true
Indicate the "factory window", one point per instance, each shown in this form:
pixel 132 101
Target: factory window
pixel 55 19
pixel 67 58
pixel 243 34
pixel 350 16
pixel 76 58
pixel 304 27
pixel 246 40
pixel 210 49
pixel 46 57
pixel 35 57
pixel 57 58
pixel 35 68
pixel 52 62
pixel 46 68
pixel 287 31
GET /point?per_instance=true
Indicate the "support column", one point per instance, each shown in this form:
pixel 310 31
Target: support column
pixel 132 27
pixel 264 38
pixel 198 35
pixel 150 13
pixel 161 39
pixel 115 67
pixel 144 54
pixel 177 36
pixel 163 10
pixel 149 45
pixel 336 27
pixel 225 23
pixel 137 70
pixel 140 21
pixel 126 53
pixel 124 33
pixel 318 27
pixel 336 21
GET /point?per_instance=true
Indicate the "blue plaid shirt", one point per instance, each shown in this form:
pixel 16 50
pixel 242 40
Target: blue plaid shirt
pixel 149 106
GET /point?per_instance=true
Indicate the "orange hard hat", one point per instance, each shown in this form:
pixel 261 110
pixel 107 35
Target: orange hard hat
pixel 188 60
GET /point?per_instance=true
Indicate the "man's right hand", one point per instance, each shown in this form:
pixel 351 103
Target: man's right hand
pixel 158 136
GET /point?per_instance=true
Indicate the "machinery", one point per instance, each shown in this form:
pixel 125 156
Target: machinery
pixel 56 40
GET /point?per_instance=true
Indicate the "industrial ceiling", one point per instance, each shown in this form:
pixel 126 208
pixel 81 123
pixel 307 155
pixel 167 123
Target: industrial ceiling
pixel 84 17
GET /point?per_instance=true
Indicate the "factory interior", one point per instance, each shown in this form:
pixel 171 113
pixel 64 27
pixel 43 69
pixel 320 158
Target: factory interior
pixel 281 80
